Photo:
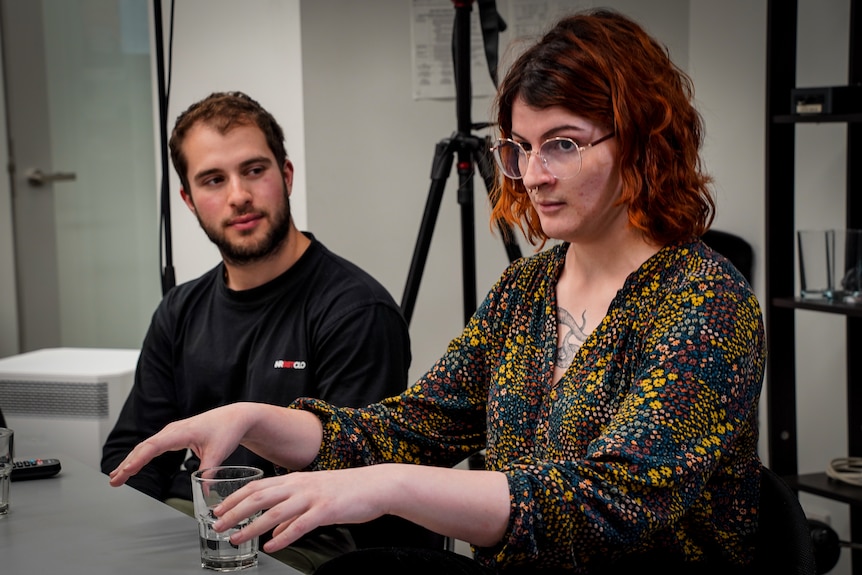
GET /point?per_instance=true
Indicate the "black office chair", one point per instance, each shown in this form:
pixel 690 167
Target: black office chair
pixel 783 544
pixel 736 249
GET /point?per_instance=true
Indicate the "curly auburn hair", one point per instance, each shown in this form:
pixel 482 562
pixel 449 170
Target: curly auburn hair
pixel 223 111
pixel 604 67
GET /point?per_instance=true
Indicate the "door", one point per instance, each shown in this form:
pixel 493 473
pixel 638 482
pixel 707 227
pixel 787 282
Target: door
pixel 80 120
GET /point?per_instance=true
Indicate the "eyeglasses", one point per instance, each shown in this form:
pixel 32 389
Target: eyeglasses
pixel 560 156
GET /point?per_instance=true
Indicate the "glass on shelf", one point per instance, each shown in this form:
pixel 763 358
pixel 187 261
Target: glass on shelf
pixel 830 265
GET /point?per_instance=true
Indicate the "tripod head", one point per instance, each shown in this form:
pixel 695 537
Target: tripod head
pixel 492 24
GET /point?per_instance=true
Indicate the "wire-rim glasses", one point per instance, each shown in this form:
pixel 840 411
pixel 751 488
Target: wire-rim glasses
pixel 561 157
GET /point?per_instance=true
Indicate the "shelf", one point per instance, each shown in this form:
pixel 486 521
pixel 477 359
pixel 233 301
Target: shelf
pixel 848 309
pixel 817 118
pixel 824 486
pixel 781 213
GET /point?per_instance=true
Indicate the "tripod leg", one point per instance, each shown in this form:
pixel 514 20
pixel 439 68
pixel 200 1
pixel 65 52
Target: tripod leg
pixel 441 167
pixel 468 234
pixel 486 169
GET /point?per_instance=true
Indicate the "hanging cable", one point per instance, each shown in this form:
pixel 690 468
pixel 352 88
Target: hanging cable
pixel 168 279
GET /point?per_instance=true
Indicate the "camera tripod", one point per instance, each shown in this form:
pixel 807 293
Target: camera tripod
pixel 471 151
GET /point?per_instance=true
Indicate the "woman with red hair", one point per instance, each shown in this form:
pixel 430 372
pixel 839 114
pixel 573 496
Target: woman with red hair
pixel 613 378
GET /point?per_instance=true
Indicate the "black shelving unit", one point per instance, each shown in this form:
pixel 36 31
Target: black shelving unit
pixel 781 303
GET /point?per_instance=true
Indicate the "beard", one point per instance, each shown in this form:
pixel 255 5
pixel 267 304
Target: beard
pixel 247 253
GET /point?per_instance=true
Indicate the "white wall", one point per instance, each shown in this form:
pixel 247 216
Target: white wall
pixel 219 45
pixel 730 90
pixel 370 148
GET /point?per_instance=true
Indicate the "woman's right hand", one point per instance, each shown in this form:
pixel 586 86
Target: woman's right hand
pixel 288 437
pixel 212 436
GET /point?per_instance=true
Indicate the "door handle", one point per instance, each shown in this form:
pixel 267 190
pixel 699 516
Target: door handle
pixel 37 177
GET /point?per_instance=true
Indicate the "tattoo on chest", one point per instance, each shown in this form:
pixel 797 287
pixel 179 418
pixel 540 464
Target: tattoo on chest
pixel 572 336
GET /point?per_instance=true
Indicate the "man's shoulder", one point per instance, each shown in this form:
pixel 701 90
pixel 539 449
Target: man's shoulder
pixel 343 277
pixel 178 295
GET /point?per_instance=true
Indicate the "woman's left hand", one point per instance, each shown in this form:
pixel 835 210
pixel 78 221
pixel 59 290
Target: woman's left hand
pixel 464 504
pixel 298 502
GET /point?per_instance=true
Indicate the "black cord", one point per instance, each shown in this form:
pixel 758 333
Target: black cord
pixel 168 279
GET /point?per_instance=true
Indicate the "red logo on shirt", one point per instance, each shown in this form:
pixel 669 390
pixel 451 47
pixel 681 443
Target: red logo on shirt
pixel 287 364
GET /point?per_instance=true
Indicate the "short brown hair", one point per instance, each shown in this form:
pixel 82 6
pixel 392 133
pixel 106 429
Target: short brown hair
pixel 223 111
pixel 603 66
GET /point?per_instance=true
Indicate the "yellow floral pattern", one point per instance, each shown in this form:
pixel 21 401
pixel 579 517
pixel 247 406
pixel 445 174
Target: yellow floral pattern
pixel 648 444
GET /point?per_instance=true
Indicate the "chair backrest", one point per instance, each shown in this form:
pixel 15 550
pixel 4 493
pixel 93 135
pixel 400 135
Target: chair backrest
pixel 736 249
pixel 783 543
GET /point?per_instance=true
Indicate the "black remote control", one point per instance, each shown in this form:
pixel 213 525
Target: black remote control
pixel 23 469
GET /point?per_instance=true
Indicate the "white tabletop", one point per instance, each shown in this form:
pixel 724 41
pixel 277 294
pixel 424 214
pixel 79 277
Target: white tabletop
pixel 69 364
pixel 76 522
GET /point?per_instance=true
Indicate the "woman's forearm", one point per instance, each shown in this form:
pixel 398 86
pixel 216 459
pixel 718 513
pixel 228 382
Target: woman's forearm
pixel 469 505
pixel 289 437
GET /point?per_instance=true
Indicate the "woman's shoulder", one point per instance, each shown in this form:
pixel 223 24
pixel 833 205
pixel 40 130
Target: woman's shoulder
pixel 699 279
pixel 545 262
pixel 693 261
pixel 534 276
pixel 705 263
